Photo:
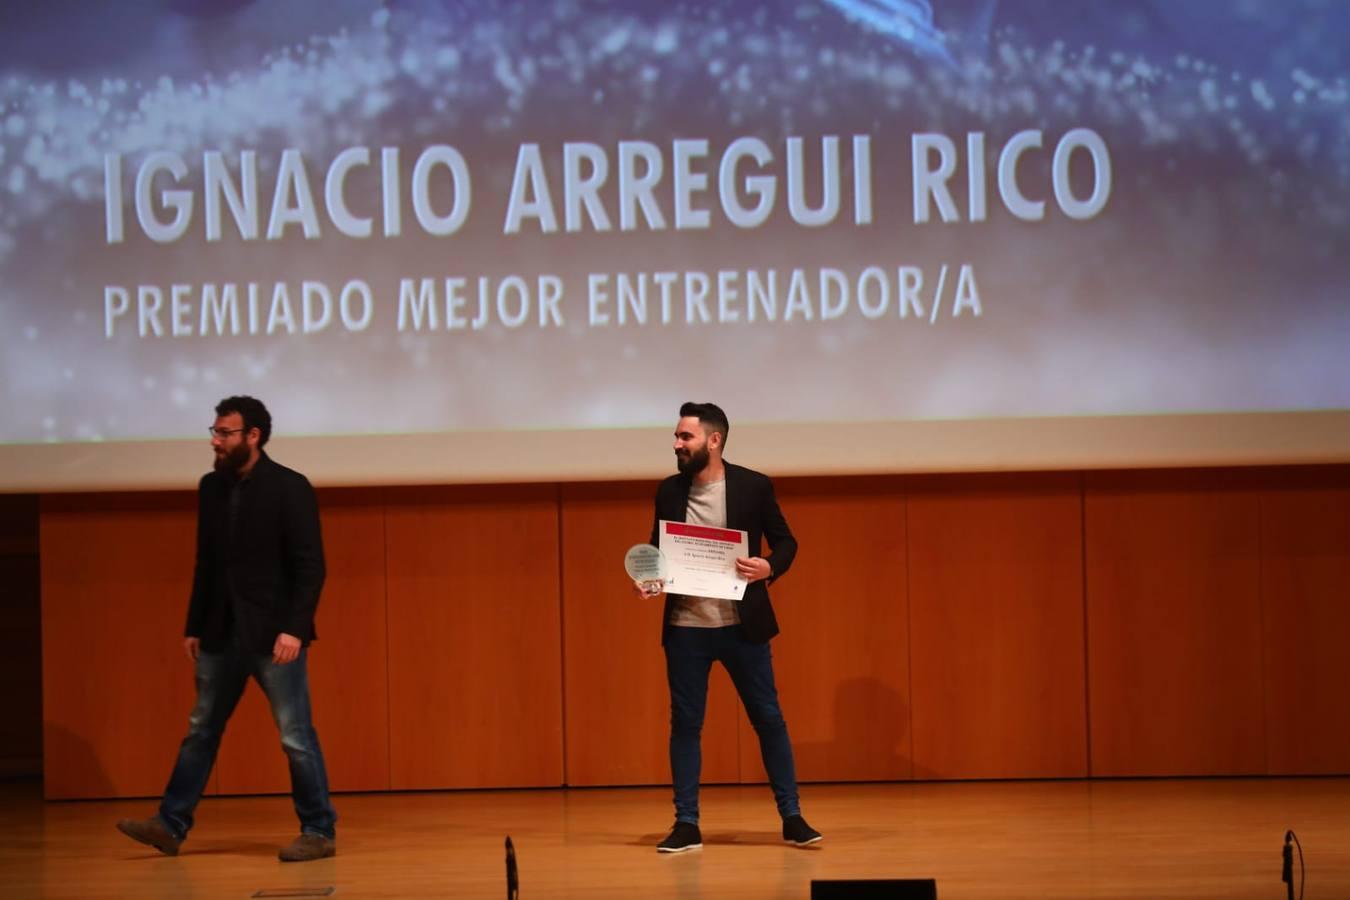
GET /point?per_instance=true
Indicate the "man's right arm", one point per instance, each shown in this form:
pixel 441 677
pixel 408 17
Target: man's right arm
pixel 654 540
pixel 201 578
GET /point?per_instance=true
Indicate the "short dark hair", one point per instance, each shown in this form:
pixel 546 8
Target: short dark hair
pixel 709 415
pixel 252 411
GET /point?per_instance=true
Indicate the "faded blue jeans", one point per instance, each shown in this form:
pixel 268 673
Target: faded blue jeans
pixel 221 678
pixel 690 653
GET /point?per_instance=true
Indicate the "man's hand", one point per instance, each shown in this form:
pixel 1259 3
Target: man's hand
pixel 192 646
pixel 286 649
pixel 753 568
pixel 650 588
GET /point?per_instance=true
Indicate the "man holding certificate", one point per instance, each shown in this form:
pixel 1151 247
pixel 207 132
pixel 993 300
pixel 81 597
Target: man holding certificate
pixel 710 521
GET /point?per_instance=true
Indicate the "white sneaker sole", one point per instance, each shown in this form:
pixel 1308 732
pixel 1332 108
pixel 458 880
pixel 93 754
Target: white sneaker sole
pixel 815 840
pixel 679 849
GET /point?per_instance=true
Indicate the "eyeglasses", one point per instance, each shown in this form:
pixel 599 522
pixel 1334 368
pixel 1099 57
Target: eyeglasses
pixel 222 433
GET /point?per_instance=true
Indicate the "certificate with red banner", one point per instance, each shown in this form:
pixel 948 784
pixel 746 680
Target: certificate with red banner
pixel 701 560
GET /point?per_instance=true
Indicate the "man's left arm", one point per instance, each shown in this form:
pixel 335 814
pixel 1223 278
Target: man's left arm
pixel 777 534
pixel 303 542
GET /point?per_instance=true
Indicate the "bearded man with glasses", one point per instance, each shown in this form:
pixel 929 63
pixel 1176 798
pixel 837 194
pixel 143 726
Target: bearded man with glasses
pixel 259 571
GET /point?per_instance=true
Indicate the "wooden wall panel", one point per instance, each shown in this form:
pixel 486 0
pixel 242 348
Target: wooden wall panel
pixel 117 688
pixel 996 618
pixel 1305 589
pixel 475 637
pixel 348 666
pixel 457 622
pixel 617 702
pixel 841 662
pixel 1174 624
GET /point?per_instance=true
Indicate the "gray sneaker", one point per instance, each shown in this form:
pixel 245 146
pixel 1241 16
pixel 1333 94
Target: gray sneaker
pixel 151 831
pixel 684 836
pixel 308 846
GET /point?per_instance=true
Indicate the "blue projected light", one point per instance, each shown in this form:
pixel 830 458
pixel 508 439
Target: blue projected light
pixel 909 21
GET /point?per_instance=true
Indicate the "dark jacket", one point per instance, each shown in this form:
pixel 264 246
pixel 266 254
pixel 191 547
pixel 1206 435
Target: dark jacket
pixel 752 508
pixel 262 576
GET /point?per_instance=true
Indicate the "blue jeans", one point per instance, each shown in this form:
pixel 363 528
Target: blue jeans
pixel 221 678
pixel 690 653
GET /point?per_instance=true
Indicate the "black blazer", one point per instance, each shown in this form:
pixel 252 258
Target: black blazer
pixel 752 508
pixel 272 564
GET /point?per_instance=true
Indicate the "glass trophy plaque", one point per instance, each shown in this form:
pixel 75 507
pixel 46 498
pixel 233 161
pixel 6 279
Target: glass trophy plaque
pixel 646 565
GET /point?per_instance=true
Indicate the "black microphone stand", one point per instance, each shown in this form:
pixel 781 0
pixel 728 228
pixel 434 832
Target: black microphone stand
pixel 1287 870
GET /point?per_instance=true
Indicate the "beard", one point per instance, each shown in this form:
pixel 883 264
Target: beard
pixel 691 463
pixel 232 460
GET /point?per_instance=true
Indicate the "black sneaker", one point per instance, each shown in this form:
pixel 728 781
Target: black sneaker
pixel 797 832
pixel 684 836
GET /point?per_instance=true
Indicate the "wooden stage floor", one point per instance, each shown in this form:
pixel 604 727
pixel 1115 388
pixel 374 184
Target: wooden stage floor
pixel 1217 838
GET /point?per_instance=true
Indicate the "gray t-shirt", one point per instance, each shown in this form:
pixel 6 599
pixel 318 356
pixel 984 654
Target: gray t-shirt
pixel 707 506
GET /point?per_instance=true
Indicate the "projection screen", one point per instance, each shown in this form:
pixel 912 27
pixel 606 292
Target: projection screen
pixel 491 241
